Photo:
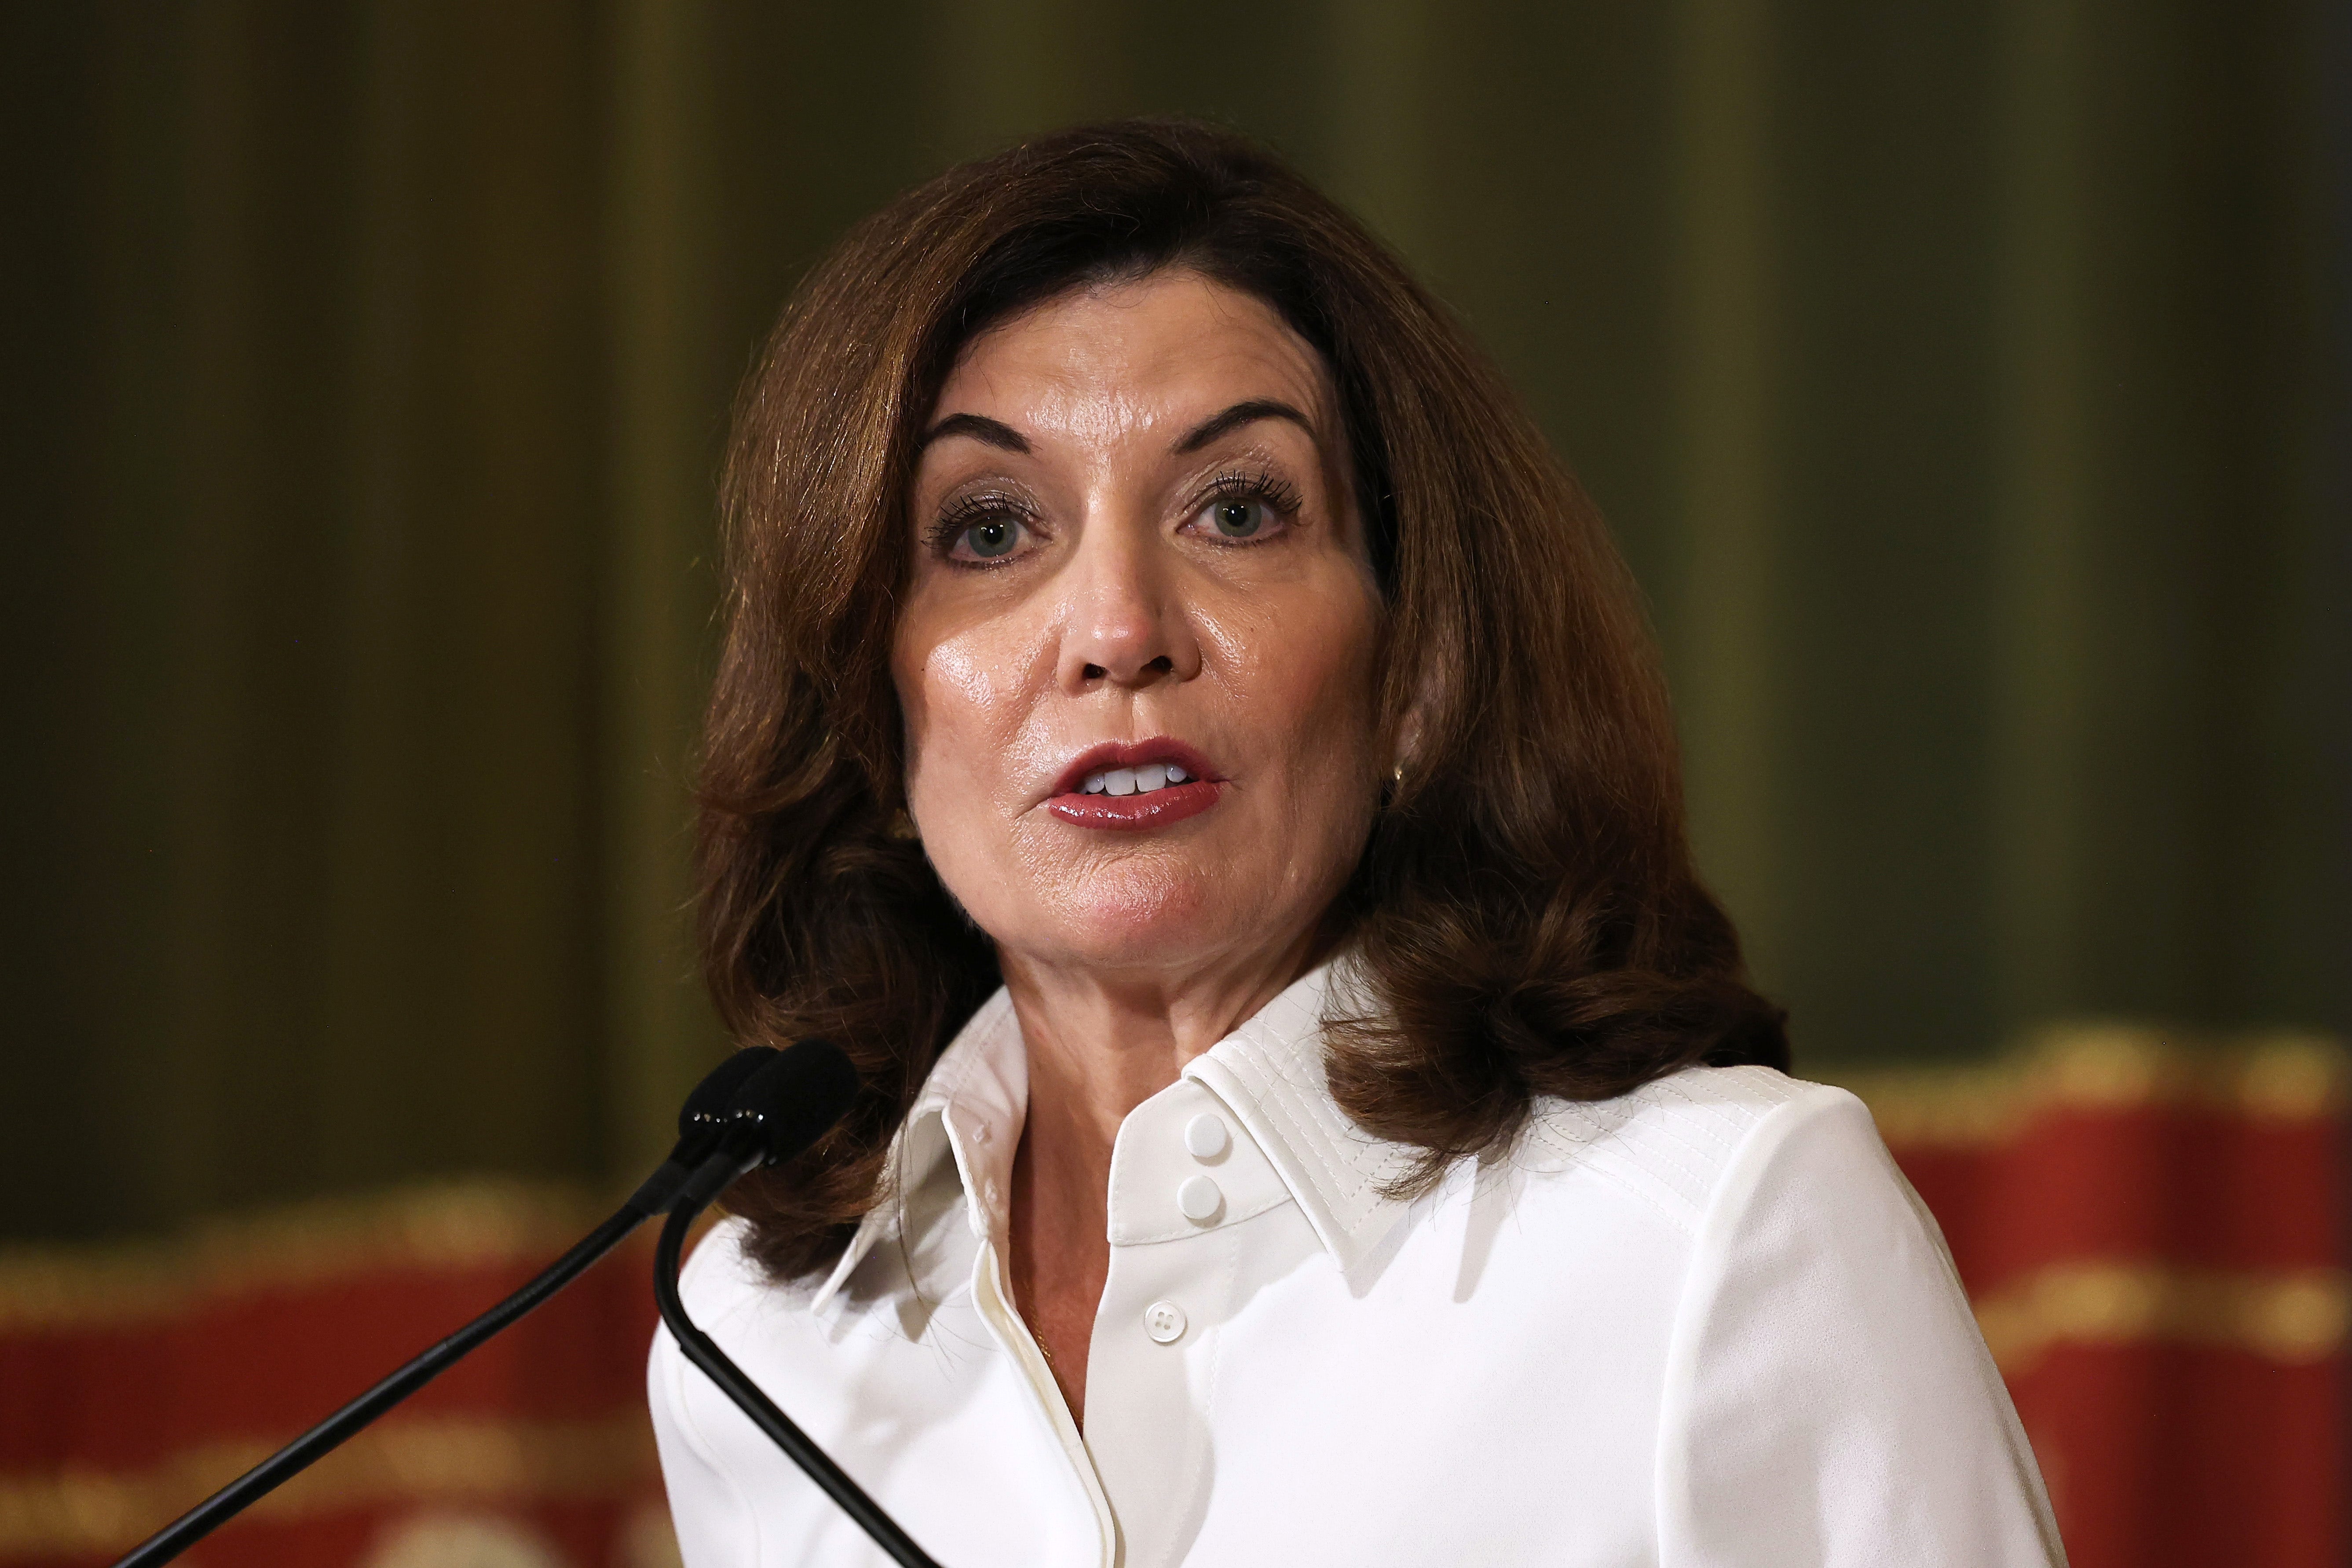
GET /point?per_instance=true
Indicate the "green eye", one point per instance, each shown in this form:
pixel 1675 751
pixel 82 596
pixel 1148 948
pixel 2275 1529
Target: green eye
pixel 1239 517
pixel 995 537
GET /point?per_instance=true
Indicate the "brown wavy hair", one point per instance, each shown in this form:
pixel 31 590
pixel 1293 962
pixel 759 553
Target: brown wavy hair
pixel 1525 911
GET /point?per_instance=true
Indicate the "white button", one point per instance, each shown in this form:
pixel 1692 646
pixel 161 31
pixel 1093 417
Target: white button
pixel 1164 1321
pixel 1205 1136
pixel 1200 1199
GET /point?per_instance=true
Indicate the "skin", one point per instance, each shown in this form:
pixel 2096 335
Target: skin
pixel 1082 591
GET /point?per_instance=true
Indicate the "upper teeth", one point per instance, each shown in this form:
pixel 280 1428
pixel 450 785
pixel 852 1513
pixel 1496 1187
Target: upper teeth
pixel 1135 780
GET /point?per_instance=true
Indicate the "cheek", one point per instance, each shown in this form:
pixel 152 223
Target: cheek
pixel 1306 669
pixel 964 695
pixel 942 690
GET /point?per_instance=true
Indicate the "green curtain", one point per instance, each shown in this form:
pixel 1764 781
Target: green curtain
pixel 1967 379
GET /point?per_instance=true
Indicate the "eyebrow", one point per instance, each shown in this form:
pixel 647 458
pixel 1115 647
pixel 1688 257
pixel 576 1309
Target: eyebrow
pixel 1239 415
pixel 980 427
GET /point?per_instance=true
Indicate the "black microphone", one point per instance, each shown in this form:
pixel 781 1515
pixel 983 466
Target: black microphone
pixel 785 1107
pixel 706 1123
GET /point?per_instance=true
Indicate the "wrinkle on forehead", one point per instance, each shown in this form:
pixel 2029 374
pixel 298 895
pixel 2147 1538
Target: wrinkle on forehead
pixel 1077 369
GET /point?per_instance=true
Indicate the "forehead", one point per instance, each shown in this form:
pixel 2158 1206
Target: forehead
pixel 1134 354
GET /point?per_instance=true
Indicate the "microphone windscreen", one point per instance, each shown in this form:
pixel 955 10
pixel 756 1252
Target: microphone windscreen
pixel 715 1095
pixel 797 1096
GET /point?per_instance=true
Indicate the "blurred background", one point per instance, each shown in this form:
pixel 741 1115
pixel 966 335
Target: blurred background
pixel 1969 383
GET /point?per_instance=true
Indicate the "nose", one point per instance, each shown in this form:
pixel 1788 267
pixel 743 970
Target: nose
pixel 1125 624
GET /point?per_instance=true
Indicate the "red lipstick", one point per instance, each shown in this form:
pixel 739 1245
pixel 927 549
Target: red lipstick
pixel 1202 788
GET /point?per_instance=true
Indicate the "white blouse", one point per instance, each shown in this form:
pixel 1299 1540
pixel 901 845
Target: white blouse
pixel 1705 1324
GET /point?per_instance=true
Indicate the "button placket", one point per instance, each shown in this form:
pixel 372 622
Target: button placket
pixel 1174 1277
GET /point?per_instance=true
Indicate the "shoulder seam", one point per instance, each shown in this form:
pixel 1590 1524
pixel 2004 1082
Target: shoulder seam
pixel 1660 1141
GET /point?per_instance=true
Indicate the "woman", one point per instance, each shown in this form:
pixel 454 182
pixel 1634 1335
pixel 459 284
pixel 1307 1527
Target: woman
pixel 1183 732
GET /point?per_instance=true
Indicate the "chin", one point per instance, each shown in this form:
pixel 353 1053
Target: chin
pixel 1131 918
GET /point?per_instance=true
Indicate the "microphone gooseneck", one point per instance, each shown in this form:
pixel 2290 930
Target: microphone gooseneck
pixel 708 1121
pixel 785 1107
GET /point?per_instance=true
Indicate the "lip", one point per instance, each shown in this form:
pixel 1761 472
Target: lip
pixel 1133 812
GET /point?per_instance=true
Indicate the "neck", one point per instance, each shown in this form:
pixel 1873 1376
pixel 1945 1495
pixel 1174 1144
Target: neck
pixel 1100 1045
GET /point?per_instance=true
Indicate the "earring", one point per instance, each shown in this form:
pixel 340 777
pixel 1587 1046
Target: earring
pixel 902 827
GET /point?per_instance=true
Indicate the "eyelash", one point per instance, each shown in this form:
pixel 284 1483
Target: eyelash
pixel 963 513
pixel 1238 485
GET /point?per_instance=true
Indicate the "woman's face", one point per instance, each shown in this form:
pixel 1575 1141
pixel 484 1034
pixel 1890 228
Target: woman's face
pixel 1136 654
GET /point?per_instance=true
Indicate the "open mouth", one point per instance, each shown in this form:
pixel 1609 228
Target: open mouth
pixel 1143 779
pixel 1135 784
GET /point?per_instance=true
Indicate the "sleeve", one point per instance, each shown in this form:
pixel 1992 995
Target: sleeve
pixel 715 1523
pixel 1829 1400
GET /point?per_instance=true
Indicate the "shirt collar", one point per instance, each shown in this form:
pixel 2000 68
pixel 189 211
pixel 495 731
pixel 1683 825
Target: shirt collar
pixel 1269 1072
